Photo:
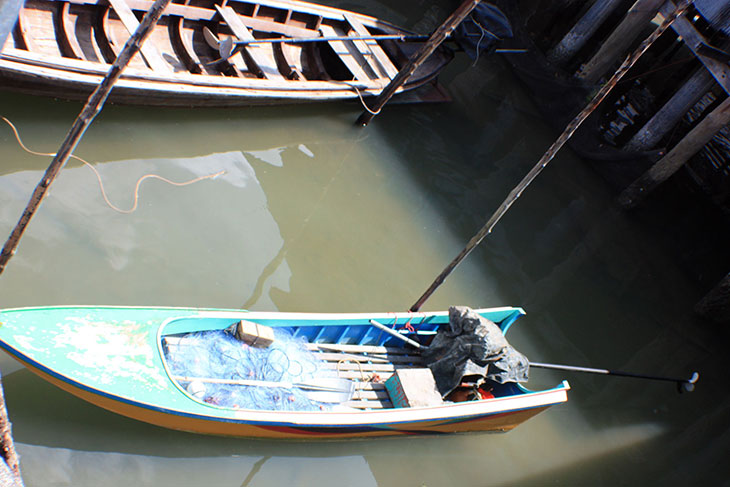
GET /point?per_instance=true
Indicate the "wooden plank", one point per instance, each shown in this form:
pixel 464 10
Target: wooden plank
pixel 351 348
pixel 363 358
pixel 381 60
pixel 207 14
pixel 375 404
pixel 343 366
pixel 349 54
pixel 149 51
pixel 693 39
pixel 365 376
pixel 262 54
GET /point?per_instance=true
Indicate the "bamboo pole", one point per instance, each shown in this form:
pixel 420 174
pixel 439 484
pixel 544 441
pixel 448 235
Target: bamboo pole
pixel 675 159
pixel 548 156
pixel 88 113
pixel 438 37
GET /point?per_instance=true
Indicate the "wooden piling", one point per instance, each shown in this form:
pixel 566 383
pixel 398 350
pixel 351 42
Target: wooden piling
pixel 675 159
pixel 620 39
pixel 88 113
pixel 672 112
pixel 582 31
pixel 436 39
pixel 10 467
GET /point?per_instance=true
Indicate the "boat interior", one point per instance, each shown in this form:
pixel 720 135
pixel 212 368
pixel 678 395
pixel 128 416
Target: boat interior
pixel 357 353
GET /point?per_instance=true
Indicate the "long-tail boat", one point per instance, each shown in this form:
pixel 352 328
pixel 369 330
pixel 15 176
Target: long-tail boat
pixel 210 52
pixel 332 373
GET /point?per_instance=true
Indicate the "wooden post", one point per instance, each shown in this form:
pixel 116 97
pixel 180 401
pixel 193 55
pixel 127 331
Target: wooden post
pixel 438 37
pixel 548 156
pixel 88 113
pixel 671 113
pixel 620 39
pixel 669 164
pixel 715 305
pixel 9 457
pixel 582 31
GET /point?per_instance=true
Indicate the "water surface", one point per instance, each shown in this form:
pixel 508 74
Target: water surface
pixel 314 214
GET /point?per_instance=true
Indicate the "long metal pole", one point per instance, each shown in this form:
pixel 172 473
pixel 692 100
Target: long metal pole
pixel 547 157
pixel 88 113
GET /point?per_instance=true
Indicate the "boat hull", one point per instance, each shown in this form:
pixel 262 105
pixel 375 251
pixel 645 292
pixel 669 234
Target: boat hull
pixel 63 48
pixel 153 397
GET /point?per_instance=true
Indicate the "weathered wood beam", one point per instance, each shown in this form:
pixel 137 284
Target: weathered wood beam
pixel 620 39
pixel 88 113
pixel 582 31
pixel 675 159
pixel 436 39
pixel 672 112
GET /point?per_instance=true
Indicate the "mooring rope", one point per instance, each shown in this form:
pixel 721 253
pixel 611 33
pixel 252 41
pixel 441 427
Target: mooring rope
pixel 98 176
pixel 362 101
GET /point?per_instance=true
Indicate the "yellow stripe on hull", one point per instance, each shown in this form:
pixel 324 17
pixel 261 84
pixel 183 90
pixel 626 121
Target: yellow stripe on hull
pixel 493 422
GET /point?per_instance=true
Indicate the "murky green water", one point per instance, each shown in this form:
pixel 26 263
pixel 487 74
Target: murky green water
pixel 313 214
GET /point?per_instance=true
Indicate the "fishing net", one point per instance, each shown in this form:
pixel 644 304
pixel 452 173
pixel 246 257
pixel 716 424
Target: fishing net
pixel 472 346
pixel 220 355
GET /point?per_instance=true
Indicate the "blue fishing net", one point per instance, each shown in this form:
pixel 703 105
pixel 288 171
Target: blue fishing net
pixel 219 355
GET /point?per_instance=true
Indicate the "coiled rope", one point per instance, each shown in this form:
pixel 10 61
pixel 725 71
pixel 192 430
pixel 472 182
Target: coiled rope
pixel 98 176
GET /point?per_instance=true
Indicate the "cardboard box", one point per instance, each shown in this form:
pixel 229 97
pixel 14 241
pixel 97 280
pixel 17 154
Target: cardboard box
pixel 413 388
pixel 253 334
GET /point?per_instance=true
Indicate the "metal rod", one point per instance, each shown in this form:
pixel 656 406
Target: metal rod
pixel 687 383
pixel 548 156
pixel 394 333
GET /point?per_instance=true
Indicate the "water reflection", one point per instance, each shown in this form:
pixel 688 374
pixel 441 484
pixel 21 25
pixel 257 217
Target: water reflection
pixel 186 237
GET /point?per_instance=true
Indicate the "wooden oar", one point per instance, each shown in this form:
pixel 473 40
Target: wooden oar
pixel 683 385
pixel 326 389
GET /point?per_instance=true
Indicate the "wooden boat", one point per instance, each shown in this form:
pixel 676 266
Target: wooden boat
pixel 119 358
pixel 62 48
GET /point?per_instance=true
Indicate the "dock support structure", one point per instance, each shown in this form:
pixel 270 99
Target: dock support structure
pixel 436 39
pixel 675 159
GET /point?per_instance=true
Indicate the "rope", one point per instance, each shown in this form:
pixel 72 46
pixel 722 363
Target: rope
pixel 98 176
pixel 362 101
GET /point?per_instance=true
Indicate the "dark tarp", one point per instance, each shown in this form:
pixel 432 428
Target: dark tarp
pixel 480 32
pixel 471 345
